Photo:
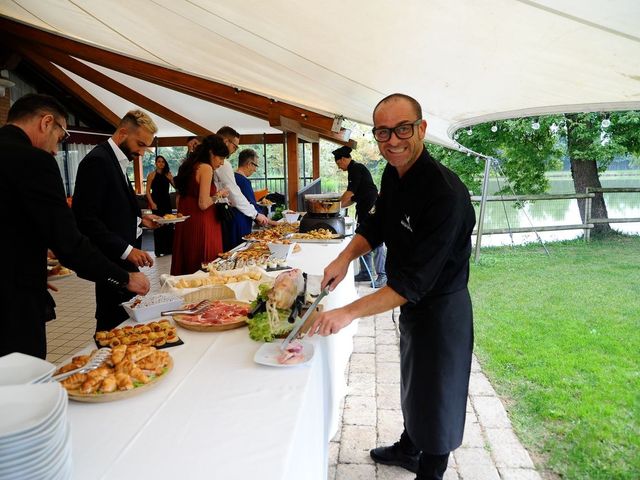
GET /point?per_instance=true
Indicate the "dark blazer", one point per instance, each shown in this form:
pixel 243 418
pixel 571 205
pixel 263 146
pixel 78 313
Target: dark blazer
pixel 104 202
pixel 106 208
pixel 37 217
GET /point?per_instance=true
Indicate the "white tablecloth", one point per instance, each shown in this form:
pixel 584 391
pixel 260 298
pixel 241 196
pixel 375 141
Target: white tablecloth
pixel 219 415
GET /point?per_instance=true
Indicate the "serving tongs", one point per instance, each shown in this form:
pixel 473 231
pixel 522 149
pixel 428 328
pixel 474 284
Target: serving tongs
pixel 197 309
pixel 97 359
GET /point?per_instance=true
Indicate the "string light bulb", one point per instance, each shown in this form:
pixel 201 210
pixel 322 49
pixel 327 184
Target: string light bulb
pixel 456 136
pixel 606 123
pixel 469 131
pixel 494 128
pixel 535 124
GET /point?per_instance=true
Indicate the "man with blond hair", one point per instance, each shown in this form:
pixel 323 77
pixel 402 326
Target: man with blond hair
pixel 107 211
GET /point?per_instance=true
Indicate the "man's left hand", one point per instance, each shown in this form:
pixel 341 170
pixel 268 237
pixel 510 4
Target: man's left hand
pixel 149 221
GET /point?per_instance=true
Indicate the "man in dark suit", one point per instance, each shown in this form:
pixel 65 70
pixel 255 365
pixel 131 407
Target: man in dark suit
pixel 106 209
pixel 38 218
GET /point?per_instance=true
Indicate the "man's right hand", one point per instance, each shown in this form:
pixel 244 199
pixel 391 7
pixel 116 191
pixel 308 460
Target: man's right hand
pixel 140 258
pixel 138 283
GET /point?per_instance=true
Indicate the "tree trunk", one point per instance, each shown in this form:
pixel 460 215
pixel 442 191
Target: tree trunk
pixel 585 174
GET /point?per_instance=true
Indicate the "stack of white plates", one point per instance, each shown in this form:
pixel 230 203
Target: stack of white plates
pixel 18 368
pixel 35 438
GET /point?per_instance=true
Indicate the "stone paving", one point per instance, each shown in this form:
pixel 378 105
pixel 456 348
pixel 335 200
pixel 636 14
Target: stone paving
pixel 371 416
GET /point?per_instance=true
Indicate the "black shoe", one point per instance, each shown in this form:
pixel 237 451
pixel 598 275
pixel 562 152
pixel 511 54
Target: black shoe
pixel 394 455
pixel 362 277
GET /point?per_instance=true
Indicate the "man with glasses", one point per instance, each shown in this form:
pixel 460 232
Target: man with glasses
pixel 363 192
pixel 247 166
pixel 41 220
pixel 425 217
pixel 107 211
pixel 225 180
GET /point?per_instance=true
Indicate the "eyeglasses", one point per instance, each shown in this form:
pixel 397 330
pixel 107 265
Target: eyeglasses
pixel 66 133
pixel 402 131
pixel 255 164
pixel 235 146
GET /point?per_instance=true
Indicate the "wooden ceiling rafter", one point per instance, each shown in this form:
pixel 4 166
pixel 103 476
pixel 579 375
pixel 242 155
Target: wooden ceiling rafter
pixel 106 82
pixel 49 69
pixel 237 99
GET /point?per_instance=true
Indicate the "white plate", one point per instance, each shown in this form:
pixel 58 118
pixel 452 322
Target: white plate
pixel 24 407
pixel 23 442
pixel 268 354
pixel 55 457
pixel 18 368
pixel 165 221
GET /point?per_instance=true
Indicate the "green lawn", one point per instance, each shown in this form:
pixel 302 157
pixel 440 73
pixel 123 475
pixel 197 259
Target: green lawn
pixel 559 338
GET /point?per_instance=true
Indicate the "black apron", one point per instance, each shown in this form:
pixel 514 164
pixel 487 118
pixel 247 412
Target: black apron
pixel 436 342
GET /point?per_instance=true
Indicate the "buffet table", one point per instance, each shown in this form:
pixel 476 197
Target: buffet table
pixel 218 414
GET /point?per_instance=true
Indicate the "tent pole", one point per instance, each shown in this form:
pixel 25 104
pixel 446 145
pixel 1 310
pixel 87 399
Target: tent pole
pixel 483 204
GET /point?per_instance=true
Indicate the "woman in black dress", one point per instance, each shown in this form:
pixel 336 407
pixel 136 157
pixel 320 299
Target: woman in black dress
pixel 159 202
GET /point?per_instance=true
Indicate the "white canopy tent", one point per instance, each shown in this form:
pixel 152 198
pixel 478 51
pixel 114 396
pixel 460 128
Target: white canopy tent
pixel 465 61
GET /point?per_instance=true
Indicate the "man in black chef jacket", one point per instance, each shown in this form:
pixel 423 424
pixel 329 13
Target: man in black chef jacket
pixel 362 191
pixel 425 217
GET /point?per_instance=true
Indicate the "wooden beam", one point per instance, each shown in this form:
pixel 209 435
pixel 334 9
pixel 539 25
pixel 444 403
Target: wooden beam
pixel 288 125
pixel 228 96
pixel 138 175
pixel 249 139
pixel 293 177
pixel 259 138
pixel 48 69
pixel 315 159
pixel 119 89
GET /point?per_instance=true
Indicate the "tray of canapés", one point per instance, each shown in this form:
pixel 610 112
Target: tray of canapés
pixel 160 334
pixel 126 372
pixel 319 235
pixel 277 232
pixel 248 255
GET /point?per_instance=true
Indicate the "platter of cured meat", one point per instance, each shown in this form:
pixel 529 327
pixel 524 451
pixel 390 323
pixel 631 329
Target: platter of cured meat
pixel 297 353
pixel 127 372
pixel 222 315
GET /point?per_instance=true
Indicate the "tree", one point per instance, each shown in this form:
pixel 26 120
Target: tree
pixel 589 140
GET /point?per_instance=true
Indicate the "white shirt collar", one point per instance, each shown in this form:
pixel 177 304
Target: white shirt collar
pixel 120 156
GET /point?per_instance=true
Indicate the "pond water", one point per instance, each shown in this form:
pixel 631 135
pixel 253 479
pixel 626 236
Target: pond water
pixel 558 212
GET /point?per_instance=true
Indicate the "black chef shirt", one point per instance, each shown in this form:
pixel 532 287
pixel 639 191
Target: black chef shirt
pixel 364 190
pixel 425 218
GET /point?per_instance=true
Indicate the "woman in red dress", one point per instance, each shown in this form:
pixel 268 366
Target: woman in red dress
pixel 198 239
